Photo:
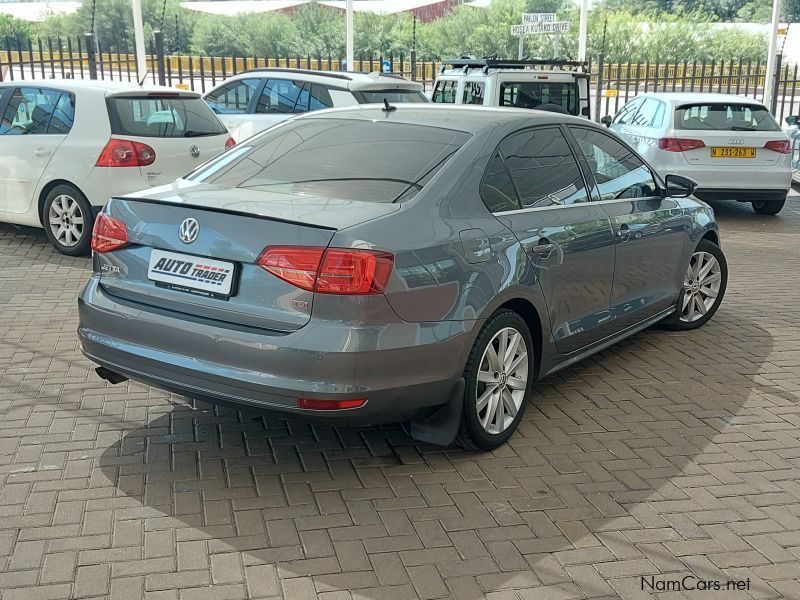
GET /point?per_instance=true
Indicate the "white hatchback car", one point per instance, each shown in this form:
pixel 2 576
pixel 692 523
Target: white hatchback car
pixel 255 100
pixel 730 145
pixel 67 146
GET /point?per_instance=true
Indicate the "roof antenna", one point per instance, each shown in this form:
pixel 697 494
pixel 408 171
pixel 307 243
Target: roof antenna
pixel 387 108
pixel 144 77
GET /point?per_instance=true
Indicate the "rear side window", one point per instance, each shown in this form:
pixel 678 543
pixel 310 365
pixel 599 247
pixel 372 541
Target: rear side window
pixel 391 95
pixel 547 95
pixel 473 92
pixel 320 97
pixel 724 117
pixel 497 190
pixel 233 97
pixel 37 111
pixel 284 96
pixel 162 117
pixel 445 92
pixel 351 159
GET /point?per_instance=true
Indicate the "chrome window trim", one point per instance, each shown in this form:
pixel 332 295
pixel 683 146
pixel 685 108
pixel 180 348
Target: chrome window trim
pixel 609 201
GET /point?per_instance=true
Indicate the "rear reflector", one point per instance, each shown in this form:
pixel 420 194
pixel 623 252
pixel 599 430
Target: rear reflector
pixel 125 153
pixel 230 143
pixel 780 146
pixel 679 144
pixel 329 271
pixel 330 404
pixel 108 234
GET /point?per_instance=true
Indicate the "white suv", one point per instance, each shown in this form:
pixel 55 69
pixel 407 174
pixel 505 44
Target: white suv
pixel 67 146
pixel 257 99
pixel 554 85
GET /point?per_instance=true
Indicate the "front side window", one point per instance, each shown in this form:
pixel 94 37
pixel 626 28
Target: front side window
pixel 473 92
pixel 543 168
pixel 445 92
pixel 646 115
pixel 618 171
pixel 724 116
pixel 162 117
pixel 560 96
pixel 284 96
pixel 37 111
pixel 628 112
pixel 233 97
pixel 337 158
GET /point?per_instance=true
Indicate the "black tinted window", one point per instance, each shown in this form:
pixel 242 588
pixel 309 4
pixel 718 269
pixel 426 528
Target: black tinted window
pixel 164 117
pixel 619 172
pixel 725 117
pixel 337 158
pixel 445 92
pixel 284 96
pixel 497 189
pixel 544 95
pixel 393 96
pixel 543 168
pixel 37 111
pixel 320 97
pixel 232 97
pixel 473 92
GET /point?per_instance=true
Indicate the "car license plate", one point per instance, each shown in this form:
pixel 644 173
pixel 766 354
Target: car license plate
pixel 193 274
pixel 730 152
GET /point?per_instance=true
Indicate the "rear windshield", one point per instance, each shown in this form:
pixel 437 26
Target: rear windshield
pixel 337 158
pixel 558 96
pixel 162 117
pixel 724 117
pixel 393 96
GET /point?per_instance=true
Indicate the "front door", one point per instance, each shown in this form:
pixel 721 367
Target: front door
pixel 568 240
pixel 650 230
pixel 33 125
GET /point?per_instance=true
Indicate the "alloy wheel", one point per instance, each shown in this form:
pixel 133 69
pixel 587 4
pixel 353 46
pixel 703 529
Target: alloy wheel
pixel 701 286
pixel 502 380
pixel 66 220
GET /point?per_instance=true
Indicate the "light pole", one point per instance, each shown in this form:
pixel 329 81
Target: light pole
pixel 138 32
pixel 582 26
pixel 349 28
pixel 769 91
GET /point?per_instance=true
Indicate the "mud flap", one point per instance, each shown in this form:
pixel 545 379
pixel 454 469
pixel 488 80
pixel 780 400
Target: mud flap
pixel 442 426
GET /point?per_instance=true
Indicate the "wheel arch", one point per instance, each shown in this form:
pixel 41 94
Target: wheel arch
pixel 46 189
pixel 712 236
pixel 525 309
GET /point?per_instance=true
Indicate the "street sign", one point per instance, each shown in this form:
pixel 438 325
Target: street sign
pixel 538 18
pixel 546 27
pixel 386 65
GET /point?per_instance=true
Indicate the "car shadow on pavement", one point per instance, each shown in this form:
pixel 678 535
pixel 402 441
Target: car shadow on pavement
pixel 639 461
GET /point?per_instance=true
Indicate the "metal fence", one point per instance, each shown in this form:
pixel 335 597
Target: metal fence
pixel 612 84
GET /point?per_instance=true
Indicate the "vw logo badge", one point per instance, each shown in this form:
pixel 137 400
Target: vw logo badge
pixel 195 150
pixel 188 230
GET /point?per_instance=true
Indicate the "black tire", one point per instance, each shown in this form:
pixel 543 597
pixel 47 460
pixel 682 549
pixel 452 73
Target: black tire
pixel 768 207
pixel 471 435
pixel 674 322
pixel 69 244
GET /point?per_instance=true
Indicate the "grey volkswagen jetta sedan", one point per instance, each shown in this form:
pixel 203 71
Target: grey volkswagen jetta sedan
pixel 418 263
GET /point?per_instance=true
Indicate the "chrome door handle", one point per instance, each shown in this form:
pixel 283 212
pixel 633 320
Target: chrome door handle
pixel 41 152
pixel 543 250
pixel 624 233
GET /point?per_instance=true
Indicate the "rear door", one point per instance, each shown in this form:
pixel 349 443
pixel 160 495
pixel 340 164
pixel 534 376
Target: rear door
pixel 34 123
pixel 180 128
pixel 567 240
pixel 649 230
pixel 234 102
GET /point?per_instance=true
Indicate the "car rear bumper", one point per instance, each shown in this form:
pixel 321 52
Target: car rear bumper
pixel 403 370
pixel 742 194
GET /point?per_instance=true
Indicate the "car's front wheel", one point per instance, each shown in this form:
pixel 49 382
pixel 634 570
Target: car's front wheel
pixel 498 376
pixel 68 220
pixel 768 207
pixel 703 288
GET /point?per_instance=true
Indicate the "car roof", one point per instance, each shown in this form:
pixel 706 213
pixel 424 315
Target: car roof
pixel 350 79
pixel 107 88
pixel 470 119
pixel 676 98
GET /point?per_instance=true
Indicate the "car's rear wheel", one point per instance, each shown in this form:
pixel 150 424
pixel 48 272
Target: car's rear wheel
pixel 498 376
pixel 768 207
pixel 703 288
pixel 68 220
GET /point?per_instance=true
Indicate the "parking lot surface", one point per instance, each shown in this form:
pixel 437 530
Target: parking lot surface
pixel 670 454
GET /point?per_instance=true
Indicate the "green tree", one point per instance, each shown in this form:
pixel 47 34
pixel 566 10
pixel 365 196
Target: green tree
pixel 11 27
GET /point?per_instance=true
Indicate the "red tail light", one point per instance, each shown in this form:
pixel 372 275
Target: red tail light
pixel 230 143
pixel 780 146
pixel 126 153
pixel 331 270
pixel 108 234
pixel 330 404
pixel 679 144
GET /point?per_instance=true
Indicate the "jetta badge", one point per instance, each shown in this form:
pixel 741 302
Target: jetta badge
pixel 194 149
pixel 188 230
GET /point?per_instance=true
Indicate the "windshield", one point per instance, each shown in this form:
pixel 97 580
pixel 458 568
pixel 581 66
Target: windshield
pixel 724 117
pixel 337 158
pixel 163 117
pixel 559 96
pixel 393 96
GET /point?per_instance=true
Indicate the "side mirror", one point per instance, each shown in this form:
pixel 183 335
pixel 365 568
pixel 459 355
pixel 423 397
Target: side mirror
pixel 679 186
pixel 606 121
pixel 792 120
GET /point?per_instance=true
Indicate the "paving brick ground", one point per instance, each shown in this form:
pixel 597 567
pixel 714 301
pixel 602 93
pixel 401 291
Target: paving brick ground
pixel 670 454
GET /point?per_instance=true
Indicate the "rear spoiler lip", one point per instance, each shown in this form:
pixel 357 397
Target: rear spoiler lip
pixel 744 102
pixel 226 211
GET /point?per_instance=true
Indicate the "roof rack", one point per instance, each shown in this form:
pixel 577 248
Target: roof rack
pixel 503 63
